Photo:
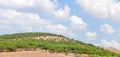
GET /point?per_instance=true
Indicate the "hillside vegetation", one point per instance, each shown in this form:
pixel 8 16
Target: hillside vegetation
pixel 50 42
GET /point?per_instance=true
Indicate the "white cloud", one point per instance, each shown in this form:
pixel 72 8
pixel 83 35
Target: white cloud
pixel 13 21
pixel 17 3
pixel 62 13
pixel 95 7
pixel 115 11
pixel 58 29
pixel 112 43
pixel 106 28
pixel 91 35
pixel 44 6
pixel 47 6
pixel 101 8
pixel 14 17
pixel 77 23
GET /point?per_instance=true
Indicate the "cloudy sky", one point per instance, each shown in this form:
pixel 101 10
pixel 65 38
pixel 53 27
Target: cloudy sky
pixel 90 21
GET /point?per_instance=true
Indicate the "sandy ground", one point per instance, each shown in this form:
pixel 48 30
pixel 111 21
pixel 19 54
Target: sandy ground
pixel 32 54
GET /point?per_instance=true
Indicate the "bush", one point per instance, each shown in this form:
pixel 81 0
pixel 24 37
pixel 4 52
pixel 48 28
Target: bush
pixel 2 47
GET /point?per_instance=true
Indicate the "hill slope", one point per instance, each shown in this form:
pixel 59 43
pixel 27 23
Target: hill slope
pixel 51 42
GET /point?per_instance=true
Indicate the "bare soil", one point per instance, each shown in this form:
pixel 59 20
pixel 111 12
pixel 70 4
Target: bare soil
pixel 112 49
pixel 38 53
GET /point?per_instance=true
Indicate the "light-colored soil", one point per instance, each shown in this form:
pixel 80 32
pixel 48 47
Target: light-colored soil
pixel 112 49
pixel 32 54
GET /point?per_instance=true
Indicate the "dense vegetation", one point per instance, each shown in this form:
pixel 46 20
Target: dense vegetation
pixel 27 35
pixel 25 41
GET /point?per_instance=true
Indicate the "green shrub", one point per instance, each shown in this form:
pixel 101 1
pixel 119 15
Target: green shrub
pixel 2 47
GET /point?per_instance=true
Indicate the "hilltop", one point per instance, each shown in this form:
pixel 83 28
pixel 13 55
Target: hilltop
pixel 50 42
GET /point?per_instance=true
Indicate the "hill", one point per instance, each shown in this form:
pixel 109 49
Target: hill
pixel 50 42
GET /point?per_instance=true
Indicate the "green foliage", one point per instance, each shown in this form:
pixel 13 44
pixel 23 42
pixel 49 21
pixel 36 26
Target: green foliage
pixel 117 55
pixel 12 42
pixel 27 35
pixel 95 56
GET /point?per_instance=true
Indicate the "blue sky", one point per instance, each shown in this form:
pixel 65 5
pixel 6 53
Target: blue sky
pixel 90 21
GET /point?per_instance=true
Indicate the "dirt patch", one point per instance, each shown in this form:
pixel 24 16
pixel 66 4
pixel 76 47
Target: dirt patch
pixel 32 54
pixel 112 49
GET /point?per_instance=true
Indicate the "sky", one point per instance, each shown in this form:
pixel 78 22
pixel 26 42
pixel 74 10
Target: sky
pixel 91 21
